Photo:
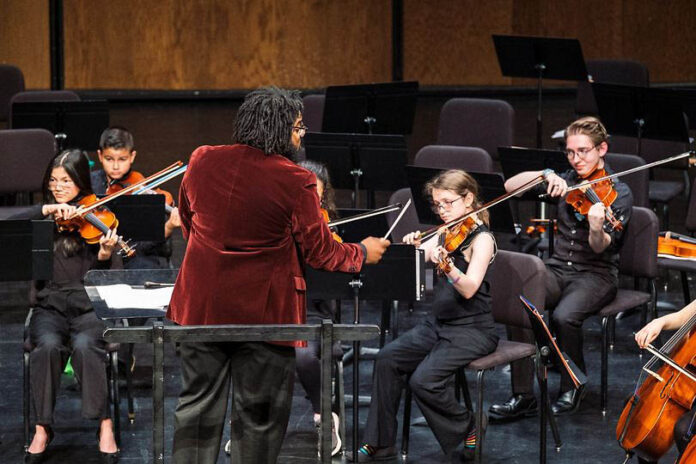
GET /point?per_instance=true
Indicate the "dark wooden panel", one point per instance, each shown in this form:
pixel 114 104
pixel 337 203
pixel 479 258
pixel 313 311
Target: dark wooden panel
pixel 24 39
pixel 449 43
pixel 220 44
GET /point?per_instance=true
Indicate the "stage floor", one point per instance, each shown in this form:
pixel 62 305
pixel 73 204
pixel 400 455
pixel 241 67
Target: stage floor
pixel 587 436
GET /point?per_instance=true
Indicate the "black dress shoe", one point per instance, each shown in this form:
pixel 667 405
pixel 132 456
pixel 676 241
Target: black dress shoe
pixel 373 454
pixel 106 458
pixel 517 406
pixel 568 402
pixel 36 458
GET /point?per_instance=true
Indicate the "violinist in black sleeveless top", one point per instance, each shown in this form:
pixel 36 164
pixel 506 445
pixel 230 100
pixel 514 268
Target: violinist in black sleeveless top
pixel 582 274
pixel 63 322
pixel 459 330
pixel 685 427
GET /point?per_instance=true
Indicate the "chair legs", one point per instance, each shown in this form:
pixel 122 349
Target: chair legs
pixel 606 323
pixel 340 398
pixel 478 454
pixel 27 401
pixel 112 378
pixel 407 423
pixel 129 384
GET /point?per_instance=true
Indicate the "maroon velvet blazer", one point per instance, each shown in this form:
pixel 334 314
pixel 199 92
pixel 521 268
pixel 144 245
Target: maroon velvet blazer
pixel 251 221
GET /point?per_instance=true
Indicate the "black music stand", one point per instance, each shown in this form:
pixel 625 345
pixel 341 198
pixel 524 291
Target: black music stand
pixel 26 250
pixel 686 97
pixel 140 217
pixel 75 124
pixel 137 279
pixel 540 58
pixel 549 355
pixel 382 108
pixel 492 186
pixel 355 161
pixel 351 232
pixel 641 112
pixel 400 275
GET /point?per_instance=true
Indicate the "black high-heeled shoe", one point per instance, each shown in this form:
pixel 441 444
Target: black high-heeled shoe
pixel 36 458
pixel 106 458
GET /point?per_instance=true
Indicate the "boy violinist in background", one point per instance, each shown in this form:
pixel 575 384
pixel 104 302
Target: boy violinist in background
pixel 117 155
pixel 582 274
pixel 308 364
pixel 459 330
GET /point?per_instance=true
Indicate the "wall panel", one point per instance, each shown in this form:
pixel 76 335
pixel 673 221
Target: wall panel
pixel 219 44
pixel 24 40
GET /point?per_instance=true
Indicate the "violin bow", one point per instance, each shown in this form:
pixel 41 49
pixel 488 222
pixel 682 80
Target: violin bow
pixel 518 191
pixel 660 355
pixel 631 171
pixel 161 180
pixel 128 189
pixel 369 214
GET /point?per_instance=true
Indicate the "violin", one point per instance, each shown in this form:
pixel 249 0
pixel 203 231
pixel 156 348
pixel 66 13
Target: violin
pixel 583 197
pixel 452 240
pixel 676 245
pixel 135 177
pixel 325 216
pixel 646 424
pixel 93 224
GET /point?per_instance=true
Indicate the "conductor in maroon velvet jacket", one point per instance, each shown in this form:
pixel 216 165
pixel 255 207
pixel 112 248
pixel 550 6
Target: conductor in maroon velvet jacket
pixel 252 219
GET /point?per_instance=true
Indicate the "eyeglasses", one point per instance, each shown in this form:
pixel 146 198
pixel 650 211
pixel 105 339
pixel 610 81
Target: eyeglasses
pixel 53 183
pixel 581 152
pixel 445 205
pixel 301 129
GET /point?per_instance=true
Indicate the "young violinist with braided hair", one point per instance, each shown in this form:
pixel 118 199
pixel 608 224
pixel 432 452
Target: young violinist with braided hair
pixel 63 322
pixel 116 155
pixel 252 220
pixel 308 362
pixel 459 330
pixel 582 274
pixel 685 426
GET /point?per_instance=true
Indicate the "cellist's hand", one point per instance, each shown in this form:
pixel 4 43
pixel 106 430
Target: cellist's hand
pixel 647 334
pixel 414 238
pixel 59 210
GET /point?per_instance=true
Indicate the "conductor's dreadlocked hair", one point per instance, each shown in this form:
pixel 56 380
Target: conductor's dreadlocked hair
pixel 265 120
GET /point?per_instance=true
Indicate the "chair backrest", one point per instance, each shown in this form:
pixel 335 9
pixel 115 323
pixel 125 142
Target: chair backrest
pixel 11 82
pixel 477 122
pixel 313 113
pixel 452 157
pixel 650 150
pixel 409 222
pixel 638 253
pixel 515 274
pixel 638 181
pixel 24 155
pixel 41 96
pixel 624 72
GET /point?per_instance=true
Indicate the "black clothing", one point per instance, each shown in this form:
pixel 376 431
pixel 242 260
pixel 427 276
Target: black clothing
pixel 63 324
pixel 263 376
pixel 148 254
pixel 449 304
pixel 460 331
pixel 579 282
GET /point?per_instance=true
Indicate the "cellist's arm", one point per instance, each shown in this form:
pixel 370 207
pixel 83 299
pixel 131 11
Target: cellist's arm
pixel 671 321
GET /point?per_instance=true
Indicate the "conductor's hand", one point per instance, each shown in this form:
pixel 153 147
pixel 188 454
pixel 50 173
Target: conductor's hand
pixel 375 249
pixel 647 334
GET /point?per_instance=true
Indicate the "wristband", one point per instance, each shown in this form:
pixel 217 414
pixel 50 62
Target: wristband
pixel 547 172
pixel 453 282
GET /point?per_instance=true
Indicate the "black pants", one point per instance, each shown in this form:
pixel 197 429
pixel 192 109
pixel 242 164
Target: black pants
pixel 308 361
pixel 572 297
pixel 262 378
pixel 56 336
pixel 430 352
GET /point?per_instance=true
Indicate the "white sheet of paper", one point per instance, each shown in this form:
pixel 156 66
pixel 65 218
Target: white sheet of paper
pixel 124 296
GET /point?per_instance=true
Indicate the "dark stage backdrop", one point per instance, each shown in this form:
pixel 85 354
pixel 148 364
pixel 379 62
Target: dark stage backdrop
pixel 241 44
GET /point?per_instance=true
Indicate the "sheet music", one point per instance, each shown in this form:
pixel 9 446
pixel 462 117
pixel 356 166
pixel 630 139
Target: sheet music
pixel 122 296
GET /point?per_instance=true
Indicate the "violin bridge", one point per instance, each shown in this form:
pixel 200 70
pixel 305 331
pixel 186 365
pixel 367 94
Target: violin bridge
pixel 654 374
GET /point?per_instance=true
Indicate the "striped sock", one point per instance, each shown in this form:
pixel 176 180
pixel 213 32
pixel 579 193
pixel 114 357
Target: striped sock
pixel 471 439
pixel 366 450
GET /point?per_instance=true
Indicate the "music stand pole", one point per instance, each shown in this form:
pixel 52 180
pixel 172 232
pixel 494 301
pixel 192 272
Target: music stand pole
pixel 355 284
pixel 541 67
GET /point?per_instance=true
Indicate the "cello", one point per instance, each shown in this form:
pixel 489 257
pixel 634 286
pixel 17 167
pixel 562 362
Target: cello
pixel 646 424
